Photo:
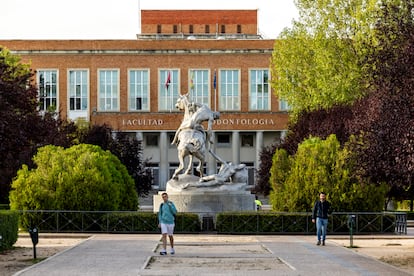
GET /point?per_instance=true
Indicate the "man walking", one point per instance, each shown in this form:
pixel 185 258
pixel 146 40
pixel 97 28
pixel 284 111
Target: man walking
pixel 166 217
pixel 320 216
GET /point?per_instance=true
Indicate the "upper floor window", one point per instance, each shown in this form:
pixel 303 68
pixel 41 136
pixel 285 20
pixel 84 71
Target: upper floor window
pixel 259 89
pixel 175 29
pixel 239 29
pixel 229 89
pixel 207 29
pixel 190 29
pixel 168 89
pixel 138 90
pixel 283 105
pixel 108 90
pixel 78 89
pixel 199 86
pixel 223 29
pixel 158 29
pixel 48 86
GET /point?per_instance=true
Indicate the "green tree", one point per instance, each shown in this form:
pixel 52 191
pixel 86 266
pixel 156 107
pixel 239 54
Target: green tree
pixel 82 177
pixel 127 148
pixel 321 165
pixel 22 128
pixel 318 63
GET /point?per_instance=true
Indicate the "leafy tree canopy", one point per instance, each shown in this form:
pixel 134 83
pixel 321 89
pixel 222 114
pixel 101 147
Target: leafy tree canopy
pixel 83 177
pixel 319 62
pixel 320 165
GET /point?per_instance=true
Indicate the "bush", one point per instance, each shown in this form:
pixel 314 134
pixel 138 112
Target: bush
pixel 83 177
pixel 321 165
pixel 119 222
pixel 301 223
pixel 9 221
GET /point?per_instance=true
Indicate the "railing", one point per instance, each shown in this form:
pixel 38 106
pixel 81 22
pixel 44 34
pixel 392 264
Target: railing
pixel 59 221
pixel 300 223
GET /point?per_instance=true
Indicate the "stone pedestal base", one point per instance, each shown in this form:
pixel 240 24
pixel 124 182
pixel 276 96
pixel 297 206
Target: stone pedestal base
pixel 208 203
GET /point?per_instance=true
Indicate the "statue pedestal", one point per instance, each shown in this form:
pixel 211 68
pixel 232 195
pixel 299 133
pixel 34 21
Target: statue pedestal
pixel 206 199
pixel 208 203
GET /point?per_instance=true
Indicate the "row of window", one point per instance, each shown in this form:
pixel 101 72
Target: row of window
pixel 206 29
pixel 226 86
pixel 221 140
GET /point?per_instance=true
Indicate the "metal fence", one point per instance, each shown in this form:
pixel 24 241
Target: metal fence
pixel 58 221
pixel 301 223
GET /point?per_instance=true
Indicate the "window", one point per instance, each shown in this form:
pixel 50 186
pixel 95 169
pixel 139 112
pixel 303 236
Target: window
pixel 190 29
pixel 239 29
pixel 223 29
pixel 158 29
pixel 247 140
pixel 283 105
pixel 175 29
pixel 138 90
pixel 199 86
pixel 47 90
pixel 151 140
pixel 207 29
pixel 168 89
pixel 229 85
pixel 223 139
pixel 108 86
pixel 78 90
pixel 259 89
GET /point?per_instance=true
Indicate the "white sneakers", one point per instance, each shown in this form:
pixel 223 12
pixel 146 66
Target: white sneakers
pixel 163 252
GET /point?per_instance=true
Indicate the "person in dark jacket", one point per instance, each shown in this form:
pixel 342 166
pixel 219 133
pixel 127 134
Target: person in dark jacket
pixel 320 216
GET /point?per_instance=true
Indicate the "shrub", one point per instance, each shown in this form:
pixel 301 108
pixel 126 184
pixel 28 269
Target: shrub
pixel 83 177
pixel 9 221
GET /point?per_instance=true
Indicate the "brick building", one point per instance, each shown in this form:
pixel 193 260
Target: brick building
pixel 215 55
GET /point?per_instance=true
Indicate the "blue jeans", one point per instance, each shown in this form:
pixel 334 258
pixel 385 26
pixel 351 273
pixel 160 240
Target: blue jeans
pixel 321 228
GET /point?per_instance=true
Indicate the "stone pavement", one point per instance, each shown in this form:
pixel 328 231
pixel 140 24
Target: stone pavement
pixel 201 254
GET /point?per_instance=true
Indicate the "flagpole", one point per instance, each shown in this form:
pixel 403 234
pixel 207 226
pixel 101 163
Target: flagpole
pixel 215 90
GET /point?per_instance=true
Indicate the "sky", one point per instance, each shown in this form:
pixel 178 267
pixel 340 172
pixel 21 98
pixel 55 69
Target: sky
pixel 120 19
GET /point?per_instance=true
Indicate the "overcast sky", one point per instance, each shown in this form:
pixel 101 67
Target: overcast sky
pixel 119 19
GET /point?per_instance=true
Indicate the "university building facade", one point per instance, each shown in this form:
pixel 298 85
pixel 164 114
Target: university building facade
pixel 217 56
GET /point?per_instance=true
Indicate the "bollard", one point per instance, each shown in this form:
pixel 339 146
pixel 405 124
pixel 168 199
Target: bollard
pixel 34 235
pixel 351 226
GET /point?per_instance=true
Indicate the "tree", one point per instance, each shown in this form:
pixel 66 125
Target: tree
pixel 318 123
pixel 82 177
pixel 318 63
pixel 22 128
pixel 321 165
pixel 263 172
pixel 127 148
pixel 130 153
pixel 385 117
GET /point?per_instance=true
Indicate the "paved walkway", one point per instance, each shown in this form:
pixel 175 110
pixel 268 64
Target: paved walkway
pixel 128 254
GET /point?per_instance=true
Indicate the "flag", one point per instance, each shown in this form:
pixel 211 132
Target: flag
pixel 192 81
pixel 168 82
pixel 215 80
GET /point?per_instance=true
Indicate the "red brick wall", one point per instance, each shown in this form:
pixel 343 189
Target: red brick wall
pixel 81 54
pixel 150 19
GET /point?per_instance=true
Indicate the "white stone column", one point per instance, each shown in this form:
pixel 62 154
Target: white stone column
pixel 164 167
pixel 236 147
pixel 140 136
pixel 259 147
